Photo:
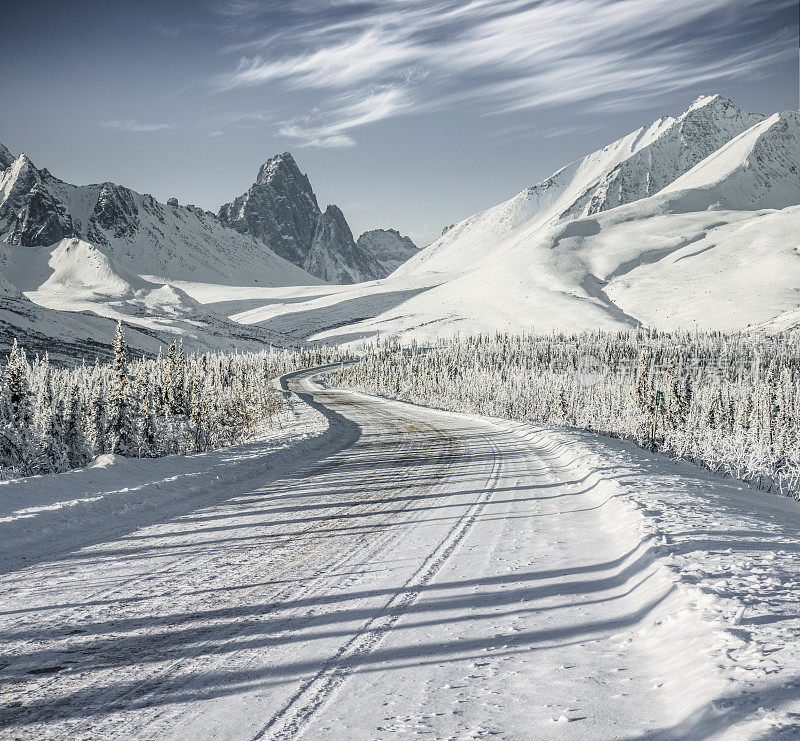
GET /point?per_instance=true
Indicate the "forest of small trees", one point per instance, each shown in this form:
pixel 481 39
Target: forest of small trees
pixel 55 419
pixel 730 403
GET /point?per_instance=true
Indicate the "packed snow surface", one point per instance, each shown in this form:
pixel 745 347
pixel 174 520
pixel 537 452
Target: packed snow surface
pixel 384 570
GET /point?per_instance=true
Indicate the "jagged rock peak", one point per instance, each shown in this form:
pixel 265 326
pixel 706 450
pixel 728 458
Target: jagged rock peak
pixel 387 247
pixel 334 213
pixel 384 242
pixel 281 211
pixel 283 167
pixel 115 211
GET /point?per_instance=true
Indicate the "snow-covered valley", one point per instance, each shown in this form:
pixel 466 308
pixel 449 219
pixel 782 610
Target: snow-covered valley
pixel 382 570
pixel 190 549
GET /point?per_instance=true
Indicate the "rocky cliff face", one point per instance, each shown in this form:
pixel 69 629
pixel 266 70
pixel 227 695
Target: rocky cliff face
pixel 333 254
pixel 115 212
pixel 388 247
pixel 6 158
pixel 281 210
pixel 29 213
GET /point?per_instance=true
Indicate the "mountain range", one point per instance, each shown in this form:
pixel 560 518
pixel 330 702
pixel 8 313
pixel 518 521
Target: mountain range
pixel 688 222
pixel 106 250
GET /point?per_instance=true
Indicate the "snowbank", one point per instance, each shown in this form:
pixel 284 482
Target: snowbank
pixel 723 631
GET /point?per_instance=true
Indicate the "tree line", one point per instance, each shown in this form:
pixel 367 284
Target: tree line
pixel 728 402
pixel 54 419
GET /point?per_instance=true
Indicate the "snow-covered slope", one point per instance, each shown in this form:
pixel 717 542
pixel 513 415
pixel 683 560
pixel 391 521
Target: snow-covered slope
pixel 75 279
pixel 281 210
pixel 633 167
pixel 717 249
pixel 689 222
pixel 65 336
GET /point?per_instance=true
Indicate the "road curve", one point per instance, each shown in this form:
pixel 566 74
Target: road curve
pixel 426 574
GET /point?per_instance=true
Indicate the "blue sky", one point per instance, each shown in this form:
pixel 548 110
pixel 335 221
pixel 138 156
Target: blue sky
pixel 406 113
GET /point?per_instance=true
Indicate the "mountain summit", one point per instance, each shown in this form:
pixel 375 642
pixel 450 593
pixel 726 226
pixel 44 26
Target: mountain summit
pixel 281 210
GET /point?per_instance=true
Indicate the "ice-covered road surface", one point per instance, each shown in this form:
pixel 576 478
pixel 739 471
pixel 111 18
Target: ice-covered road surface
pixel 424 573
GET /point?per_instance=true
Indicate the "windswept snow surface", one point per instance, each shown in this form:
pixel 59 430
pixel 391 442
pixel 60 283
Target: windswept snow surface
pixel 408 572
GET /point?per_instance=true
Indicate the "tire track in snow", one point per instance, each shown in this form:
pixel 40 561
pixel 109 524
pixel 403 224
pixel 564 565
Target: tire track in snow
pixel 314 694
pixel 364 551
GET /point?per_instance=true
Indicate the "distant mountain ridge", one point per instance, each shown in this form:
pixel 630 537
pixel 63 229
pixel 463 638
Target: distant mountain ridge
pixel 690 221
pixel 106 249
pixel 119 254
pixel 139 233
pixel 281 210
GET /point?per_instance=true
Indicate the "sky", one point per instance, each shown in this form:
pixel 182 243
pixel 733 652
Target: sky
pixel 409 114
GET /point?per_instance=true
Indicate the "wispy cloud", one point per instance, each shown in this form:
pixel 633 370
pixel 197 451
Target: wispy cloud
pixel 135 126
pixel 332 130
pixel 168 32
pixel 496 56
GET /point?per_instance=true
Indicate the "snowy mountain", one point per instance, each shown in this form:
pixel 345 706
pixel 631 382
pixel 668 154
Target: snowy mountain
pixel 139 233
pixel 633 167
pixel 281 210
pixel 109 250
pixel 691 221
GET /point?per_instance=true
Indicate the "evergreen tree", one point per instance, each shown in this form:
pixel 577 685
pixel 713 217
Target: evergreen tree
pixel 121 434
pixel 75 443
pixel 16 433
pixel 97 413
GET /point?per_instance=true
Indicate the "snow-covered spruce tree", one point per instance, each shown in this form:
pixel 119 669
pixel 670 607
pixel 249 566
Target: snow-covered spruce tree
pixel 54 418
pixel 146 422
pixel 16 423
pixel 96 413
pixel 121 431
pixel 75 442
pixel 197 416
pixel 175 394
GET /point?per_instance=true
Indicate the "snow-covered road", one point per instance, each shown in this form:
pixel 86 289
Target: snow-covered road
pixel 423 573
